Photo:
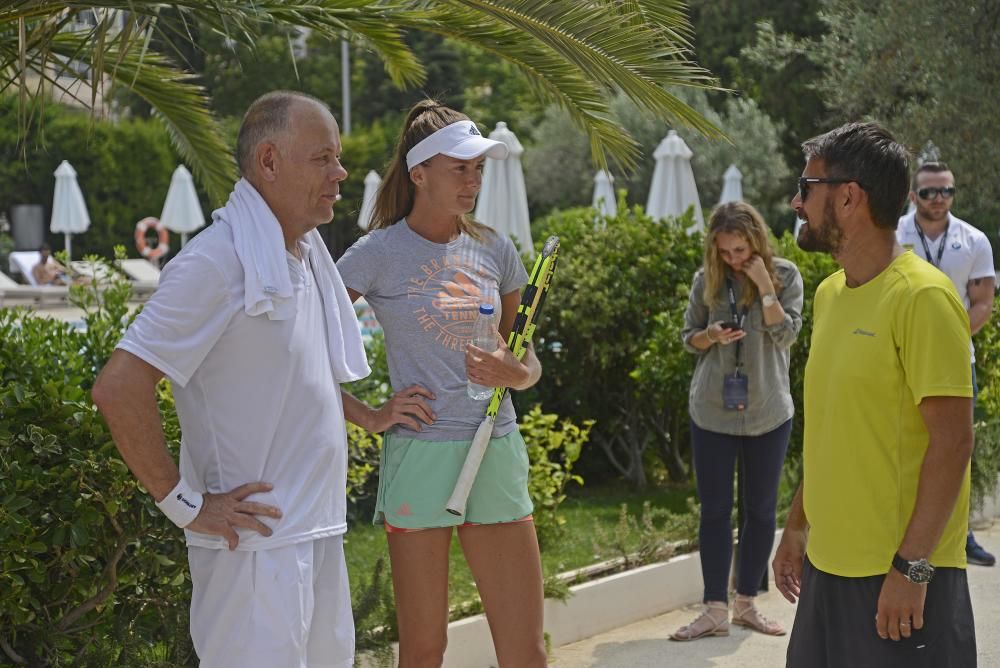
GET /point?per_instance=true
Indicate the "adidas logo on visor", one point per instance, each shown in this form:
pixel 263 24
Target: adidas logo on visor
pixel 474 131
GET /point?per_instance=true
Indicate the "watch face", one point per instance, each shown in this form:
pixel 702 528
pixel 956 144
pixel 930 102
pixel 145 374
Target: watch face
pixel 920 571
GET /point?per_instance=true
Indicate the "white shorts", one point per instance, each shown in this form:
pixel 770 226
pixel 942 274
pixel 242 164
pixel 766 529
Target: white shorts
pixel 287 607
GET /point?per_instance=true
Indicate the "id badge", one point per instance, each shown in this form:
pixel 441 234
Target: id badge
pixel 735 391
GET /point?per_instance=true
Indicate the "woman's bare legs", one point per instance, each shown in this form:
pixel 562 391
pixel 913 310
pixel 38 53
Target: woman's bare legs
pixel 505 562
pixel 420 581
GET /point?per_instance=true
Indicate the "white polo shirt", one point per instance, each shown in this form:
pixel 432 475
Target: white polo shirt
pixel 967 252
pixel 256 398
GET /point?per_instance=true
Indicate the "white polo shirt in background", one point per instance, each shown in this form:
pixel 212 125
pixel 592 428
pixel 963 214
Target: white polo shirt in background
pixel 256 398
pixel 967 253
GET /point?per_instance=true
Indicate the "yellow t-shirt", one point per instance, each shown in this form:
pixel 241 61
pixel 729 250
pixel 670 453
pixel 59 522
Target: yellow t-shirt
pixel 877 350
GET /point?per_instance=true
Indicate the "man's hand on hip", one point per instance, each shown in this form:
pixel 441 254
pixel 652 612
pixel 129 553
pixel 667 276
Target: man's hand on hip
pixel 900 607
pixel 221 513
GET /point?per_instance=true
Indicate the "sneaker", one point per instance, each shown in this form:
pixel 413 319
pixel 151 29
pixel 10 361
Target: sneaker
pixel 975 554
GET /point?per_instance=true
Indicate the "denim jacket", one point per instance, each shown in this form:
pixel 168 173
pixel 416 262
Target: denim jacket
pixel 764 355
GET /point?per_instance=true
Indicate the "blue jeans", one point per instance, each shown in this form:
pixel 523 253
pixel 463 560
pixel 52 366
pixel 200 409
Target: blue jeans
pixel 762 458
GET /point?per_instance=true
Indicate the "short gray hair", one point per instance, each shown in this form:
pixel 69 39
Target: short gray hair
pixel 266 118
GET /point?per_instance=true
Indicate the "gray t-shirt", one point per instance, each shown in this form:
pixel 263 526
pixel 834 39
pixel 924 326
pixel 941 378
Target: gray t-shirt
pixel 426 296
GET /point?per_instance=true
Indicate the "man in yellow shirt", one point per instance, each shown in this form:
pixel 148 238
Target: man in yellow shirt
pixel 874 547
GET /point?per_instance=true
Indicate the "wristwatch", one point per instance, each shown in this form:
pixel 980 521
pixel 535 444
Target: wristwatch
pixel 919 571
pixel 769 299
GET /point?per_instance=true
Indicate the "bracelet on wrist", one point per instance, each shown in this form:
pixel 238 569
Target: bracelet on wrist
pixel 182 504
pixel 708 335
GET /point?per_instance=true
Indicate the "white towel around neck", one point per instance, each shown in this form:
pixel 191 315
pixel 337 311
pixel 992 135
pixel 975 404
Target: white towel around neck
pixel 260 247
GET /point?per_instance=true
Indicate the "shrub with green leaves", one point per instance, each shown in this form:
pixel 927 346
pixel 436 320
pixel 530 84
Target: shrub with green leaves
pixel 986 457
pixel 554 445
pixel 613 280
pixel 92 573
pixel 364 448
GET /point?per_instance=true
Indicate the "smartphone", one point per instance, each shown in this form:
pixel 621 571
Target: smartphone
pixel 731 325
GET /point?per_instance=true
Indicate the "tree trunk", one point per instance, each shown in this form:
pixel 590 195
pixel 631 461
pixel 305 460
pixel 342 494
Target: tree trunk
pixel 667 447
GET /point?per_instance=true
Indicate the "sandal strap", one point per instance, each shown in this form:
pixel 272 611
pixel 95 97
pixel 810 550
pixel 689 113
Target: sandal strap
pixel 751 614
pixel 713 623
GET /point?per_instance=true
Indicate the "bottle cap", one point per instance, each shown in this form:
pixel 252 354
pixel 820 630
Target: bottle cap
pixel 486 309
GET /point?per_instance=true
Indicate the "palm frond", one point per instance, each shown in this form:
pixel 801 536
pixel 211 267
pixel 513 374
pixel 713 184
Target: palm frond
pixel 573 59
pixel 241 21
pixel 41 37
pixel 572 52
pixel 669 16
pixel 181 105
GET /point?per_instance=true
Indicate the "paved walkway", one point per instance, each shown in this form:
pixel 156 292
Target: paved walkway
pixel 646 644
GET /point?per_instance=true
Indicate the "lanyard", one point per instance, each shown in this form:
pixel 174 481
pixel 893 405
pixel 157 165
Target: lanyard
pixel 737 317
pixel 927 248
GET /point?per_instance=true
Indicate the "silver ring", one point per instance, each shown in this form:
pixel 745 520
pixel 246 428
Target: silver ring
pixel 904 623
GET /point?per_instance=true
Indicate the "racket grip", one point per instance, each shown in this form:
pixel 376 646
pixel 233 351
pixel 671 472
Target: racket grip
pixel 460 495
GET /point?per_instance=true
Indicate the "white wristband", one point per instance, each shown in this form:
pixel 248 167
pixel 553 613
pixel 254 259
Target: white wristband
pixel 181 505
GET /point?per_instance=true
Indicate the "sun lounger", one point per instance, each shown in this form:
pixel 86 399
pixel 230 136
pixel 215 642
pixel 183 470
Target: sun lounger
pixel 22 262
pixel 145 276
pixel 141 271
pixel 11 289
pixel 91 270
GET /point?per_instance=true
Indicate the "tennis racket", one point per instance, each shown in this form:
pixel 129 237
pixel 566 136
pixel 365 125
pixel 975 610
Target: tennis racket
pixel 520 335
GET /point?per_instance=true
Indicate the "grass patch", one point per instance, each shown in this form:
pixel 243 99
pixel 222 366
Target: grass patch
pixel 365 544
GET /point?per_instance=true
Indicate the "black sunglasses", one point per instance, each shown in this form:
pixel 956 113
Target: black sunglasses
pixel 804 182
pixel 932 193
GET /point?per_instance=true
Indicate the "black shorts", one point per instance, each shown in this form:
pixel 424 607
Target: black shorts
pixel 835 625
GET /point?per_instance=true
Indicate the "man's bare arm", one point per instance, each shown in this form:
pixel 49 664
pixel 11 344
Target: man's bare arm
pixel 125 393
pixel 980 302
pixel 949 421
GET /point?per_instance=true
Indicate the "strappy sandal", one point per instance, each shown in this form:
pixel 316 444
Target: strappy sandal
pixel 705 624
pixel 745 613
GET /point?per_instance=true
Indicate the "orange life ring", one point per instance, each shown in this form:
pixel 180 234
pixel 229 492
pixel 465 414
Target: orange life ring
pixel 162 246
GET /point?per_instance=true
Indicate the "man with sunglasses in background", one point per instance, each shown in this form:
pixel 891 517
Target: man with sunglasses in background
pixel 873 548
pixel 963 253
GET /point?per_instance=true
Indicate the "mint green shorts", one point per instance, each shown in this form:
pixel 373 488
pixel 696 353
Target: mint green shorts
pixel 416 479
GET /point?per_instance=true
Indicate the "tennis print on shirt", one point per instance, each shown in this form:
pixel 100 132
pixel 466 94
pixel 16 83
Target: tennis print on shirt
pixel 446 297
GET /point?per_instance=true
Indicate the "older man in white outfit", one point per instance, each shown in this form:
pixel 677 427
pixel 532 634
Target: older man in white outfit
pixel 253 326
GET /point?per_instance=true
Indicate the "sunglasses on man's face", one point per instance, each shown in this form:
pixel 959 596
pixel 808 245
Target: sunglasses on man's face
pixel 932 193
pixel 806 181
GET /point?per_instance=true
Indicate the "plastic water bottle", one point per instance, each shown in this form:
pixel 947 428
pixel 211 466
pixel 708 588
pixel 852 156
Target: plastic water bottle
pixel 484 336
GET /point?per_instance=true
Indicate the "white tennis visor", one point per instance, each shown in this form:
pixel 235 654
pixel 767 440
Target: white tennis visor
pixel 460 140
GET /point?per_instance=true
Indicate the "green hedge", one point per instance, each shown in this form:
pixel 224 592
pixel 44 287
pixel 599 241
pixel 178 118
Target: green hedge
pixel 92 573
pixel 615 276
pixel 123 169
